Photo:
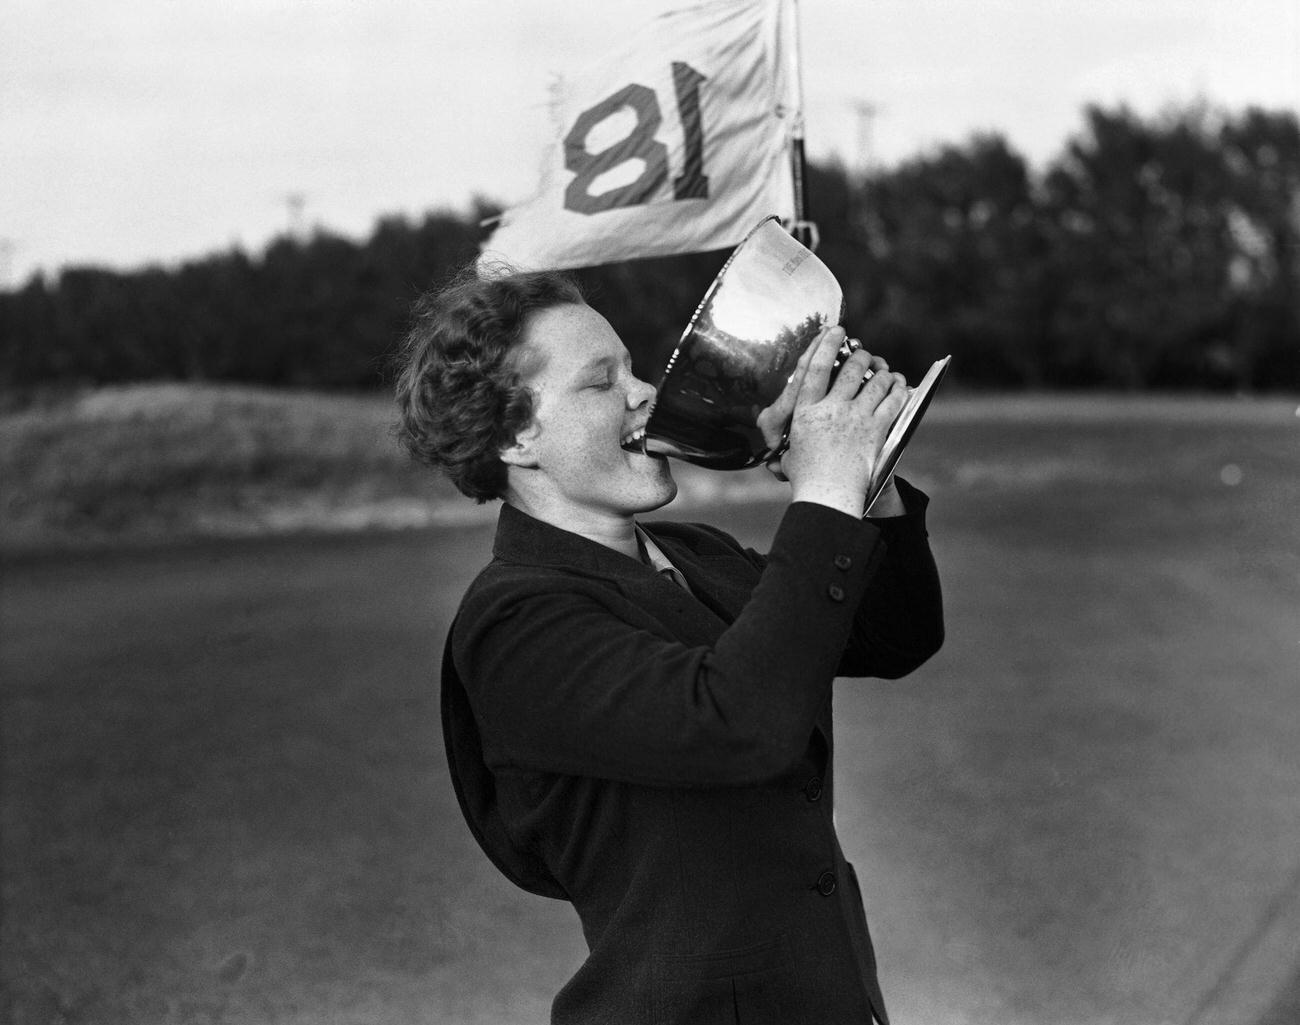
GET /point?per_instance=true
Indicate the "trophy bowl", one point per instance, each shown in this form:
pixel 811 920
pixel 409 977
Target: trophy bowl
pixel 765 307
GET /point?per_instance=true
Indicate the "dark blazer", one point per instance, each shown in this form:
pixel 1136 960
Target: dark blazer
pixel 663 759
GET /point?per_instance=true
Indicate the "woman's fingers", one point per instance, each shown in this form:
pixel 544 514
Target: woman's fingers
pixel 775 468
pixel 854 373
pixel 773 420
pixel 822 354
pixel 862 378
pixel 880 383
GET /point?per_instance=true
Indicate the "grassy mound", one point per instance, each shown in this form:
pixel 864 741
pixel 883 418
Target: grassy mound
pixel 152 462
pixel 146 463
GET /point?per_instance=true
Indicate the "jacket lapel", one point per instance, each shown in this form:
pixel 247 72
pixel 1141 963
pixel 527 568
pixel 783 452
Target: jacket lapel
pixel 697 616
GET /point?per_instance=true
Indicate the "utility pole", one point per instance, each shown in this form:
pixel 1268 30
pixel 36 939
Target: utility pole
pixel 296 202
pixel 860 203
pixel 866 112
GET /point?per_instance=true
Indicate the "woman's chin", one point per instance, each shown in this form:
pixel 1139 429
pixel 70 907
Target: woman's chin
pixel 666 487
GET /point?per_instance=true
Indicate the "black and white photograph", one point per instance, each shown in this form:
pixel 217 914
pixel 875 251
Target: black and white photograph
pixel 659 512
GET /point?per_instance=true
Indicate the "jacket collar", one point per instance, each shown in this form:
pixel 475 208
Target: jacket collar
pixel 719 583
pixel 524 539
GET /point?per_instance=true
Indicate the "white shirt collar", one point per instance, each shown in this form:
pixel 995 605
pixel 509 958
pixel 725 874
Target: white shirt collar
pixel 658 560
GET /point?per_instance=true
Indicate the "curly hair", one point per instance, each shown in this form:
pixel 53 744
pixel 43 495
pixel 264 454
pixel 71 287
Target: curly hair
pixel 459 393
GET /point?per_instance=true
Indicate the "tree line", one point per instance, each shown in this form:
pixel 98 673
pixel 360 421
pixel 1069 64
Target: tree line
pixel 1152 252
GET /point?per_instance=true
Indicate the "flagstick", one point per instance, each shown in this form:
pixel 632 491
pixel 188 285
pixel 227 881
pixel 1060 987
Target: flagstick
pixel 804 230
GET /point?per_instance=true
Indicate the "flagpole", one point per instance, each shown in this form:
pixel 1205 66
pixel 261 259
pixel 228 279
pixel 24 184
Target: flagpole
pixel 802 229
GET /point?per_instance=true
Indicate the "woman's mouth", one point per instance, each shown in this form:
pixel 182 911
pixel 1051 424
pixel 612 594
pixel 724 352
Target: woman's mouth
pixel 634 441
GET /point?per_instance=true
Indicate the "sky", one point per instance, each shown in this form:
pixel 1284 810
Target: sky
pixel 152 131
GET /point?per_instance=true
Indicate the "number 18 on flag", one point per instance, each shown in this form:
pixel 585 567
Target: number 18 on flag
pixel 676 143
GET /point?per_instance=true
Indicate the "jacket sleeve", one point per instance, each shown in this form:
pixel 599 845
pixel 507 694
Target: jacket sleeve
pixel 565 675
pixel 899 623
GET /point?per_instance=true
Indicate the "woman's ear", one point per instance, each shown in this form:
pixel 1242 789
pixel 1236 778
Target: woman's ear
pixel 522 452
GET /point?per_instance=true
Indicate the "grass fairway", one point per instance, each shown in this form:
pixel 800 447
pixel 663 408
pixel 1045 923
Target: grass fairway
pixel 225 800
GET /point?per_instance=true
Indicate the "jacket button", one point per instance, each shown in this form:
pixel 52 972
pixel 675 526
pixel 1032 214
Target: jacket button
pixel 843 562
pixel 836 592
pixel 813 789
pixel 826 883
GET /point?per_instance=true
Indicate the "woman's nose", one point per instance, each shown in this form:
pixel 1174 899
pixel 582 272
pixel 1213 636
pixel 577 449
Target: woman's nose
pixel 640 393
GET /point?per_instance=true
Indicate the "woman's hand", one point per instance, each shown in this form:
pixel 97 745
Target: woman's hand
pixel 836 430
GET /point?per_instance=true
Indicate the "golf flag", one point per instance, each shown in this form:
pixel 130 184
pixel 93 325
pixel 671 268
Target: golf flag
pixel 676 142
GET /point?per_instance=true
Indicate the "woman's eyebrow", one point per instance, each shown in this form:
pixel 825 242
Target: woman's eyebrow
pixel 598 363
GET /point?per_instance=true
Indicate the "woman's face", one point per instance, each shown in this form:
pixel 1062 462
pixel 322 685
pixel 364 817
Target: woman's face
pixel 586 404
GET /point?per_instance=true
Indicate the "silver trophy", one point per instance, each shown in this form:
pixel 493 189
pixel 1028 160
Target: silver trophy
pixel 771 299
